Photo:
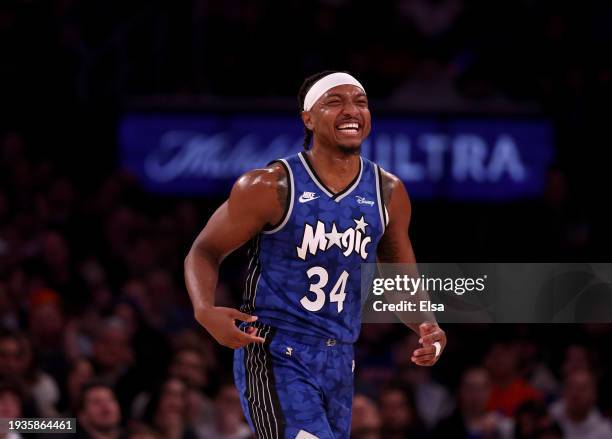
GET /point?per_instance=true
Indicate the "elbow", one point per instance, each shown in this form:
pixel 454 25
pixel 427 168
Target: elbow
pixel 197 253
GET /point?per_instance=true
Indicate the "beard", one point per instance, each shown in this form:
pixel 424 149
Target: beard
pixel 350 150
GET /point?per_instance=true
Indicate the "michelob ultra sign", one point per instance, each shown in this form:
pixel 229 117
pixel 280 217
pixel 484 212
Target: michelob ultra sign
pixel 480 159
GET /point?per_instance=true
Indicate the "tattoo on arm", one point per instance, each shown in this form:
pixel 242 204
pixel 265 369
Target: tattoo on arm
pixel 387 188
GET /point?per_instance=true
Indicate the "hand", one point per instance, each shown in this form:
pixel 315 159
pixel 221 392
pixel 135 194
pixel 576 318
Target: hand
pixel 220 322
pixel 430 333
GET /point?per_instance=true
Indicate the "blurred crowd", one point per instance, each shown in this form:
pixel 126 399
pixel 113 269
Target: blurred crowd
pixel 96 324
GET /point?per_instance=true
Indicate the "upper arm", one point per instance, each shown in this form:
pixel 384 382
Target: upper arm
pixel 395 246
pixel 258 199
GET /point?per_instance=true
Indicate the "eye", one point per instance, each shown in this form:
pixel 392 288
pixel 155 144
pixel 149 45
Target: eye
pixel 362 102
pixel 333 102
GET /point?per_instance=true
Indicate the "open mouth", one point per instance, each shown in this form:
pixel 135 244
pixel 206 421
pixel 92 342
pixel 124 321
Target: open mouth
pixel 349 127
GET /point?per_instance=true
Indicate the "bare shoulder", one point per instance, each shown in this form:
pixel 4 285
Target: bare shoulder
pixel 263 180
pixel 263 190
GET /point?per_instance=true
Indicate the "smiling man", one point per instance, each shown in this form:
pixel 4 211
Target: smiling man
pixel 312 219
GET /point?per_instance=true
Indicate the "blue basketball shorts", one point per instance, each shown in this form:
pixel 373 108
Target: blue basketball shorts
pixel 295 386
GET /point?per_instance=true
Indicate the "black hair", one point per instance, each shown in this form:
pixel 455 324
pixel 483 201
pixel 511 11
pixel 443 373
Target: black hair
pixel 95 383
pixel 156 395
pixel 309 82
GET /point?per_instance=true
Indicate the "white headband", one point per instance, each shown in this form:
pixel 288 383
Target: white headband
pixel 326 83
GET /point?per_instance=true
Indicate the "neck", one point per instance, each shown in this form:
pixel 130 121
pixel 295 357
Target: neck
pixel 335 167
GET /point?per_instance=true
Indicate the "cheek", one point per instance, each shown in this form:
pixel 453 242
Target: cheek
pixel 368 121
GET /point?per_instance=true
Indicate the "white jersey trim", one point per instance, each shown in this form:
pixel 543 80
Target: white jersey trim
pixel 291 200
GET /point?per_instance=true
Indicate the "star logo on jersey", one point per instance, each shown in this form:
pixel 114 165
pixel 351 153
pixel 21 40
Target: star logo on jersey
pixel 307 196
pixel 333 238
pixel 351 240
pixel 361 224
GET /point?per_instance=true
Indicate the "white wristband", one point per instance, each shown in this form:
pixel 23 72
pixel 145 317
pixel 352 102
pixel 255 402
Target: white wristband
pixel 438 348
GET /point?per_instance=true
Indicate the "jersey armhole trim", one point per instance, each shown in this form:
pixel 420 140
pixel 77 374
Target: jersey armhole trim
pixel 382 209
pixel 289 206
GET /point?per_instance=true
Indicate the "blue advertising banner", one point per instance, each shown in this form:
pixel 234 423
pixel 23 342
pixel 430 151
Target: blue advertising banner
pixel 455 158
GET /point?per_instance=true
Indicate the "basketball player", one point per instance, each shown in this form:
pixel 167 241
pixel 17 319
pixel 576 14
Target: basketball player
pixel 312 219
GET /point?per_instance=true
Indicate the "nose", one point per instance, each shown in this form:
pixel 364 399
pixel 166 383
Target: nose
pixel 350 109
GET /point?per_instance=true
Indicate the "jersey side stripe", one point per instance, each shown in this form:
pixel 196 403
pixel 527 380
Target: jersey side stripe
pixel 265 391
pixel 264 404
pixel 249 368
pixel 379 196
pixel 254 270
pixel 261 396
pixel 277 412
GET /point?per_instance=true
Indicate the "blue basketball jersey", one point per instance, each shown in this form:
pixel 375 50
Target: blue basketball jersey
pixel 304 274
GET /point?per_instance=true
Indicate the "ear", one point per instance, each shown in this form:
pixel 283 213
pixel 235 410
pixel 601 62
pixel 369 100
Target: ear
pixel 307 119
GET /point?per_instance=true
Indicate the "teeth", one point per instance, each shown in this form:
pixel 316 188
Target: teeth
pixel 348 126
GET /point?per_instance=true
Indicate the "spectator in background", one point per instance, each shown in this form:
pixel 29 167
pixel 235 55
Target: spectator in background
pixel 112 352
pixel 16 364
pixel 577 357
pixel 398 413
pixel 535 369
pixel 365 423
pixel 508 389
pixel 10 355
pixel 473 419
pixel 576 412
pixel 58 271
pixel 80 373
pixel 189 365
pixel 98 416
pixel 46 325
pixel 11 403
pixel 229 422
pixel 166 410
pixel 533 421
pixel 41 386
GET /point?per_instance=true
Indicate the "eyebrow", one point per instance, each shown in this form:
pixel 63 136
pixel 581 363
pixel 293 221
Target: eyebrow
pixel 338 95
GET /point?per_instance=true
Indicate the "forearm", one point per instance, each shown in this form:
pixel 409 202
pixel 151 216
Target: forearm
pixel 201 276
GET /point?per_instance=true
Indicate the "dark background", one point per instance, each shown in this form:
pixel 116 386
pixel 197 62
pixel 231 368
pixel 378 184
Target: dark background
pixel 80 241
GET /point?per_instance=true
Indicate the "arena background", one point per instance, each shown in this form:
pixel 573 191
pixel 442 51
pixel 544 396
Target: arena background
pixel 91 283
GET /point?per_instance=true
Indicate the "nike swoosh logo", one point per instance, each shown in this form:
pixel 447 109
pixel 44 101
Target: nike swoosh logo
pixel 306 200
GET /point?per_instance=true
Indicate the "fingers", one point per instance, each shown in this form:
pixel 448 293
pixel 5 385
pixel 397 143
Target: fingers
pixel 431 338
pixel 242 316
pixel 242 339
pixel 425 361
pixel 427 328
pixel 424 351
pixel 425 356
